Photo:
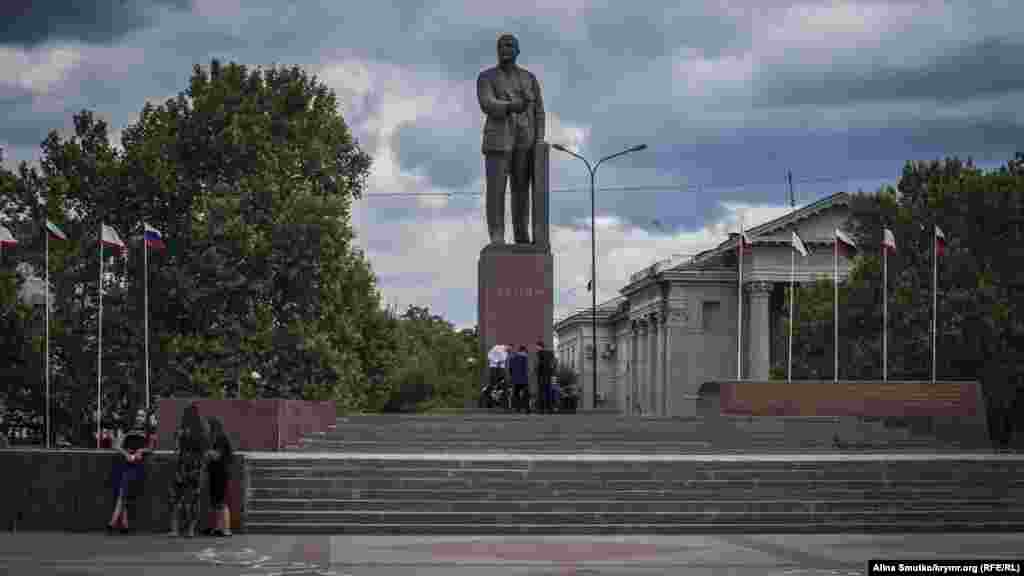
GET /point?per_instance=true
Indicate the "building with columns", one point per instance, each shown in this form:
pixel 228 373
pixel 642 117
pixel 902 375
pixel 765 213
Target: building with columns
pixel 674 325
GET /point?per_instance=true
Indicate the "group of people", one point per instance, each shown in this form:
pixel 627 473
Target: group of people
pixel 511 366
pixel 200 445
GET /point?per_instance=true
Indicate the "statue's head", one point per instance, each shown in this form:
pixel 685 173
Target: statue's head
pixel 508 48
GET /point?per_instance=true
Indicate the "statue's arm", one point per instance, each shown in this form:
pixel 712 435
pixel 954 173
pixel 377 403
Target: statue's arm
pixel 538 112
pixel 489 102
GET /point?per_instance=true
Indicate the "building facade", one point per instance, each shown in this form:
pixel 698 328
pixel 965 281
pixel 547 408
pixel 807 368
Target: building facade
pixel 674 326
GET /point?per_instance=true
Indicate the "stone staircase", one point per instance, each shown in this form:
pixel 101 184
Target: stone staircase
pixel 608 433
pixel 508 474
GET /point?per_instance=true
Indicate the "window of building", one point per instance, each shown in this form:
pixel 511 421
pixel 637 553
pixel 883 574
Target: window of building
pixel 710 312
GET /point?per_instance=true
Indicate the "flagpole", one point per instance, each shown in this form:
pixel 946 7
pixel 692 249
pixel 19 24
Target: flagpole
pixel 46 295
pixel 792 284
pixel 835 311
pixel 935 296
pixel 145 305
pixel 99 350
pixel 739 308
pixel 885 312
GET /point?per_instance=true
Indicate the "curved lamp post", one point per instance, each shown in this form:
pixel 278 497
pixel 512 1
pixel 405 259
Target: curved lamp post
pixel 593 253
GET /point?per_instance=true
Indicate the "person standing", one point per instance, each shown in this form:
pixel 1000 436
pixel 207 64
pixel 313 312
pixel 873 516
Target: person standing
pixel 545 369
pixel 220 456
pixel 496 360
pixel 129 470
pixel 519 372
pixel 193 441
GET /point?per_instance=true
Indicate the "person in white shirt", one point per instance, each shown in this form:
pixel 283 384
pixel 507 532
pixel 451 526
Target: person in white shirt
pixel 497 359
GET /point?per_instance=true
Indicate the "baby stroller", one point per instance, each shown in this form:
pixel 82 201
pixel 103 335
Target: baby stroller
pixel 495 395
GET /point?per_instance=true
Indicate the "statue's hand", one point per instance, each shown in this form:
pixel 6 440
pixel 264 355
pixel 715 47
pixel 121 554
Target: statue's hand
pixel 517 105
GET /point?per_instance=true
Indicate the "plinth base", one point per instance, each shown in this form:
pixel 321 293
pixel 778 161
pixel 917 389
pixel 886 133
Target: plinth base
pixel 516 298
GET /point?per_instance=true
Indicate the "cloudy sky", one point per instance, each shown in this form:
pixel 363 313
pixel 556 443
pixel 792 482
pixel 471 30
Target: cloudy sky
pixel 727 95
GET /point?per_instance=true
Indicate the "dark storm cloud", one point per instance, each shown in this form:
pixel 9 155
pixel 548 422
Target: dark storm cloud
pixel 29 23
pixel 448 156
pixel 984 68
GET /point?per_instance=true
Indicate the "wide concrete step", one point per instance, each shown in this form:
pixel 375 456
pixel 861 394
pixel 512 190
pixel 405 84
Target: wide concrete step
pixel 807 526
pixel 286 506
pixel 573 491
pixel 487 517
pixel 517 494
pixel 611 475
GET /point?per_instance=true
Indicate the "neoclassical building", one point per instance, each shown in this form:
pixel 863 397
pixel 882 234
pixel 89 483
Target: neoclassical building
pixel 674 326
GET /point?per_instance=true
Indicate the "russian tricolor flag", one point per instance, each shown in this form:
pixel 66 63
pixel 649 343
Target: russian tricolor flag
pixel 153 238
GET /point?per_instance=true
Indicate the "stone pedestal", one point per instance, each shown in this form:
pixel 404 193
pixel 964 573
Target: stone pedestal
pixel 516 297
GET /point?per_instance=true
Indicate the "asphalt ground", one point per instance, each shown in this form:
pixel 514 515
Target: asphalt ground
pixel 268 555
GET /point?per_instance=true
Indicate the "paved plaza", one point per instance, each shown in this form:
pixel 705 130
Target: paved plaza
pixel 266 555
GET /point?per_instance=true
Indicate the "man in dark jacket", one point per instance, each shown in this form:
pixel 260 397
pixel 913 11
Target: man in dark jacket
pixel 519 372
pixel 545 369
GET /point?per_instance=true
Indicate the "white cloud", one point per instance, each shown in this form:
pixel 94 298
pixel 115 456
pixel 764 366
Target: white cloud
pixel 37 71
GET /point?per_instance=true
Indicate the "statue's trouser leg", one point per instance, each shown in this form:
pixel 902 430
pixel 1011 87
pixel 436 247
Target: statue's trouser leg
pixel 496 166
pixel 520 174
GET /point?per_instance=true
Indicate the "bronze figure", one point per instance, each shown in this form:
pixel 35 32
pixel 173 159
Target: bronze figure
pixel 510 97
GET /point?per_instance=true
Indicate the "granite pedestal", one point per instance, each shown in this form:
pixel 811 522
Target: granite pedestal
pixel 516 297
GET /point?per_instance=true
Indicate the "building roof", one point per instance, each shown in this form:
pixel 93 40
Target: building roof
pixel 605 310
pixel 710 261
pixel 774 230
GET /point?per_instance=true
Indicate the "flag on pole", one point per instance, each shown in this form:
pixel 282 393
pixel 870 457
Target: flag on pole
pixel 888 247
pixel 940 242
pixel 55 232
pixel 745 244
pixel 844 244
pixel 111 239
pixel 153 238
pixel 888 242
pixel 801 248
pixel 798 245
pixel 6 238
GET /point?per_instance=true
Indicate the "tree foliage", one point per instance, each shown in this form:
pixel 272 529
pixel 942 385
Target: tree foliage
pixel 250 174
pixel 439 364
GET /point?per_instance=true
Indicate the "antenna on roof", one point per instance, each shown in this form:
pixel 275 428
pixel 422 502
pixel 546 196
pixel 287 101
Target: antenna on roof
pixel 792 199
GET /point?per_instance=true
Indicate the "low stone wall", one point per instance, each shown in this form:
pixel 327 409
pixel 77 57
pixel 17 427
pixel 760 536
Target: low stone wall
pixel 252 425
pixel 949 410
pixel 71 490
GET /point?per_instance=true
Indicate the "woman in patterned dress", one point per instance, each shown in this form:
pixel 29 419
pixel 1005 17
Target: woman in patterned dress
pixel 193 441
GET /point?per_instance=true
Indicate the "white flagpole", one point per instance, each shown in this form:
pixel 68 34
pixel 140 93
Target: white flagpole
pixel 792 284
pixel 835 311
pixel 885 312
pixel 99 350
pixel 935 296
pixel 145 304
pixel 739 309
pixel 46 296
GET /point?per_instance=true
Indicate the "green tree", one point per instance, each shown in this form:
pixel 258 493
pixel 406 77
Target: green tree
pixel 250 174
pixel 439 367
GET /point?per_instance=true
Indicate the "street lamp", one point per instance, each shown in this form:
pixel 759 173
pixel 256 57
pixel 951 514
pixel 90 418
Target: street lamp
pixel 593 253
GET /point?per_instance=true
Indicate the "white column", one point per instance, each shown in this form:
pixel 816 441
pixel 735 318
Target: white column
pixel 652 362
pixel 759 334
pixel 666 367
pixel 634 386
pixel 645 368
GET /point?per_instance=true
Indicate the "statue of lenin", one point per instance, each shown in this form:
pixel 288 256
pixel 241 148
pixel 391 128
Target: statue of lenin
pixel 510 97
